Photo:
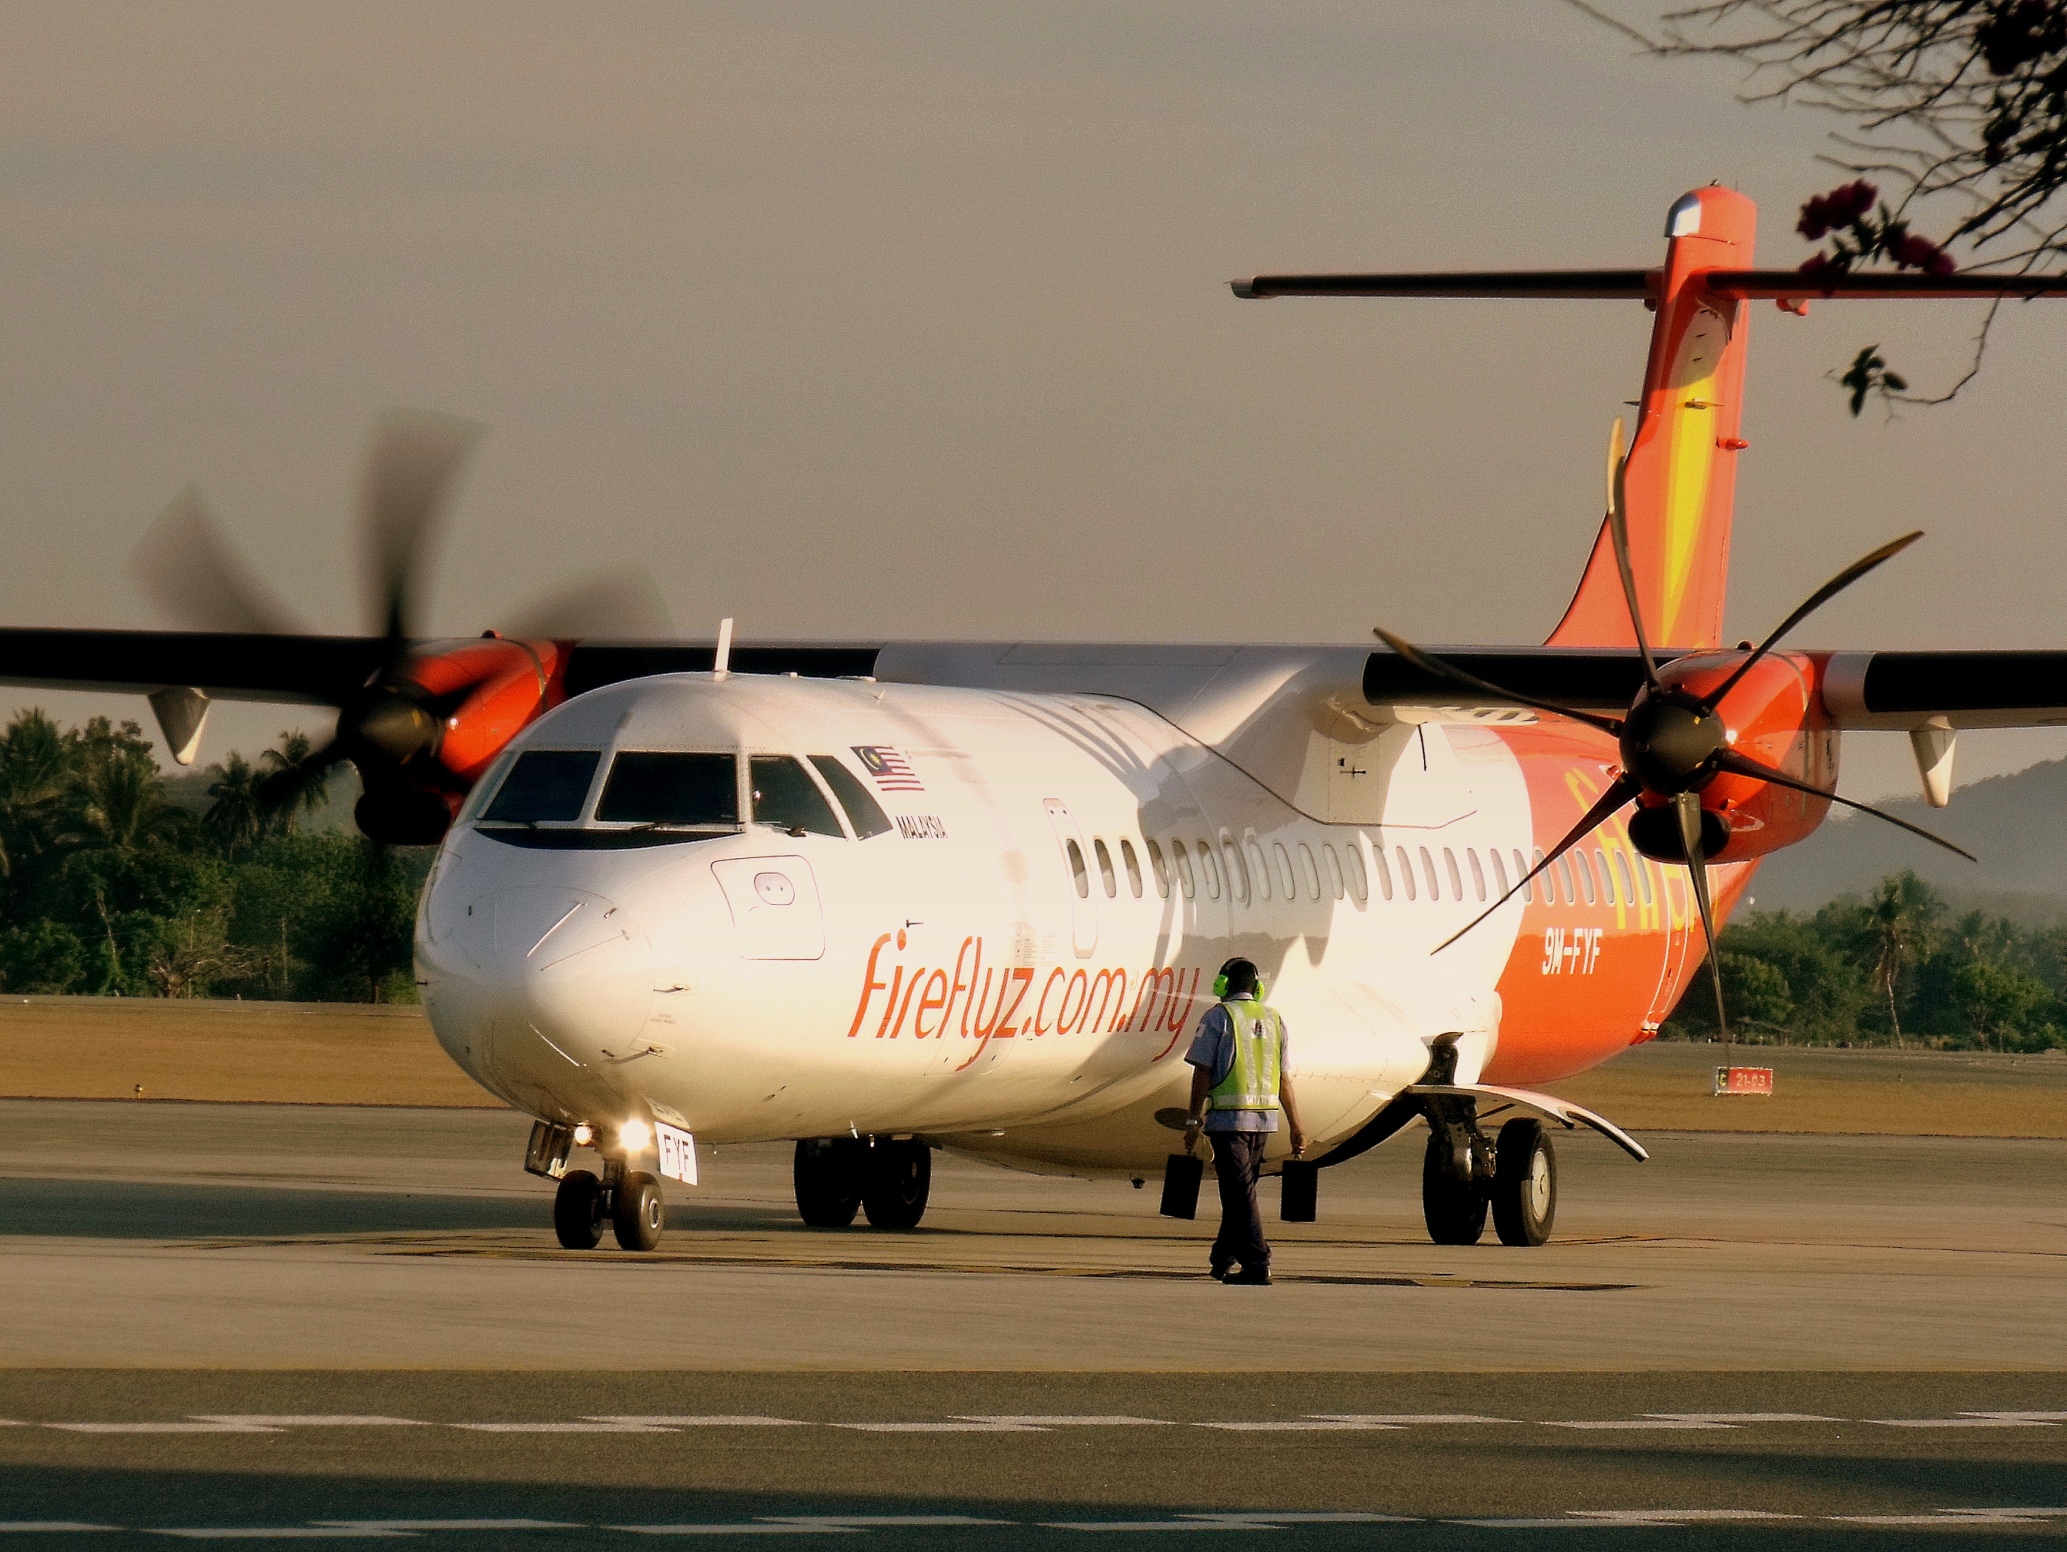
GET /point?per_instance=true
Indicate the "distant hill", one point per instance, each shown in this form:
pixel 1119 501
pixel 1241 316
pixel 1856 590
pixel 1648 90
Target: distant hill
pixel 2016 825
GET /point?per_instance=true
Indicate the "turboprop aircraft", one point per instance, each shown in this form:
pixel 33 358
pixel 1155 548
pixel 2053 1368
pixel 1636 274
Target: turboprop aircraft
pixel 885 898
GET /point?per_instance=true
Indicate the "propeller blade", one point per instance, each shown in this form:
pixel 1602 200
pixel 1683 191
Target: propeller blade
pixel 1436 667
pixel 185 569
pixel 623 604
pixel 1687 805
pixel 411 469
pixel 1621 792
pixel 1815 601
pixel 1744 765
pixel 1618 530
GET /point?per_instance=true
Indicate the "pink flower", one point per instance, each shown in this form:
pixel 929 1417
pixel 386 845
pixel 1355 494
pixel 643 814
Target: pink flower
pixel 1841 207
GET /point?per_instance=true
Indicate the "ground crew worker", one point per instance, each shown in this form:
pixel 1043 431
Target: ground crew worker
pixel 1238 1086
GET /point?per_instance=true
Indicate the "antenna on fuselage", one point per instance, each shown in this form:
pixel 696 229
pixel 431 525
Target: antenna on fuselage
pixel 721 663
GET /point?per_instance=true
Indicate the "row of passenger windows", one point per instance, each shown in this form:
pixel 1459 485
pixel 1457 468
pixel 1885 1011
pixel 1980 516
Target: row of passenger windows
pixel 678 795
pixel 1243 870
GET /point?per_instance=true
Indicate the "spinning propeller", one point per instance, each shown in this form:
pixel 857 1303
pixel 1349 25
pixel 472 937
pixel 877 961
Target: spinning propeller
pixel 394 723
pixel 1673 742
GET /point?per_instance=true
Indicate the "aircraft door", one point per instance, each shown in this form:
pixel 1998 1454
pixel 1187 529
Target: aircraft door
pixel 1675 912
pixel 1076 871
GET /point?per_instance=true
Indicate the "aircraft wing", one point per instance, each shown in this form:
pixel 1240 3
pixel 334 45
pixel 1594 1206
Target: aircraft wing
pixel 325 670
pixel 1877 691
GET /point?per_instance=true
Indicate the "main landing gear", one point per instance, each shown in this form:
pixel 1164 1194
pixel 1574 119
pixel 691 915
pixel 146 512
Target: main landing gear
pixel 1464 1172
pixel 627 1199
pixel 888 1178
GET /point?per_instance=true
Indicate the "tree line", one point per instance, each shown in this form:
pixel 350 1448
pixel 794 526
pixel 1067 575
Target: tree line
pixel 1898 969
pixel 111 886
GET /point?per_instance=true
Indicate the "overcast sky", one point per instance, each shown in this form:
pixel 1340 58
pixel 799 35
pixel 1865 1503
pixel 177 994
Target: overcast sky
pixel 911 321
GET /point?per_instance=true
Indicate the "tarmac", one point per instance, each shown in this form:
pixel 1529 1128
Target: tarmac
pixel 284 1322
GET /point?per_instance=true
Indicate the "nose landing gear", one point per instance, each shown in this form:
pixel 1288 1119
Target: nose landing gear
pixel 887 1178
pixel 629 1200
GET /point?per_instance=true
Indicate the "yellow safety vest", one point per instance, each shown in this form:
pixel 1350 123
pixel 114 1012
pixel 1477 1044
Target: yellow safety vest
pixel 1252 1077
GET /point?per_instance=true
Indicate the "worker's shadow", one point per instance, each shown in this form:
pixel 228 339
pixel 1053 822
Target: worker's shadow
pixel 111 1209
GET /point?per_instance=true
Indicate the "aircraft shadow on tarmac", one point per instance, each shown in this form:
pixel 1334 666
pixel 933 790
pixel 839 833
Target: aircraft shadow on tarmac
pixel 122 1209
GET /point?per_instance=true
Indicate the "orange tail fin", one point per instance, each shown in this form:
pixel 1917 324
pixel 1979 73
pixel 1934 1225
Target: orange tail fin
pixel 1682 471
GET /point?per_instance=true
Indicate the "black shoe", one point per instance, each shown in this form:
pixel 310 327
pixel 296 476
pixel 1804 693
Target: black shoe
pixel 1249 1277
pixel 1219 1273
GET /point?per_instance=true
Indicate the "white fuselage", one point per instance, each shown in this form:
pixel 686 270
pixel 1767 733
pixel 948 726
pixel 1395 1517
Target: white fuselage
pixel 1014 967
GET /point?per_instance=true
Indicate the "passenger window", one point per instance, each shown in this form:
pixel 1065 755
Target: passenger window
pixel 1564 873
pixel 1521 870
pixel 1283 859
pixel 1622 870
pixel 1406 872
pixel 1259 871
pixel 1078 874
pixel 1210 866
pixel 1607 876
pixel 1478 874
pixel 1184 875
pixel 1643 873
pixel 1335 872
pixel 1162 868
pixel 1378 861
pixel 1237 871
pixel 787 798
pixel 672 791
pixel 1499 870
pixel 1312 872
pixel 863 811
pixel 545 786
pixel 1105 869
pixel 1359 886
pixel 1456 879
pixel 1435 889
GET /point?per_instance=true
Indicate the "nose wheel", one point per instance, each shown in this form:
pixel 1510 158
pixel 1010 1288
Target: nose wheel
pixel 632 1206
pixel 578 1211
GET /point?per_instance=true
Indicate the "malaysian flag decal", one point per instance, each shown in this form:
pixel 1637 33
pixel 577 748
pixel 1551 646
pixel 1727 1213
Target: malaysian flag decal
pixel 891 770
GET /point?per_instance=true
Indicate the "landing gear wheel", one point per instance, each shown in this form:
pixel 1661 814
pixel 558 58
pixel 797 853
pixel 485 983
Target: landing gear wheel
pixel 636 1214
pixel 828 1176
pixel 1524 1184
pixel 578 1211
pixel 1451 1204
pixel 900 1175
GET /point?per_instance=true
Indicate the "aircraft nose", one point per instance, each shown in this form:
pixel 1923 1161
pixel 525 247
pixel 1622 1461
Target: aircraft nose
pixel 573 965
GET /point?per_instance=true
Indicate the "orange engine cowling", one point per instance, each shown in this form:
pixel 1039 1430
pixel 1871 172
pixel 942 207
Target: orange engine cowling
pixel 1775 715
pixel 425 731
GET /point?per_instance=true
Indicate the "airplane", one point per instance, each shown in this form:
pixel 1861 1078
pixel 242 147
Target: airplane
pixel 882 898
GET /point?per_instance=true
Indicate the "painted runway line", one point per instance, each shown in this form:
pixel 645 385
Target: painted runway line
pixel 985 1422
pixel 1655 1518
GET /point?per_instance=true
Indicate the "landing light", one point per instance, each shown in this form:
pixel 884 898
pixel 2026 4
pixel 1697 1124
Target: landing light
pixel 634 1136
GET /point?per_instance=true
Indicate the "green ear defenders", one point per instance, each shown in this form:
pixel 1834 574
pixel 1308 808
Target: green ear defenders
pixel 1220 987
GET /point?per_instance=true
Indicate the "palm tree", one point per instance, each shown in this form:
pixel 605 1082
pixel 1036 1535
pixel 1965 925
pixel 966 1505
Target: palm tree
pixel 1900 922
pixel 293 785
pixel 35 766
pixel 238 816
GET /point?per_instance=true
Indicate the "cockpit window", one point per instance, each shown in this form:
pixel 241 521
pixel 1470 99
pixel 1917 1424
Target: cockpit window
pixel 545 786
pixel 676 791
pixel 866 813
pixel 786 797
